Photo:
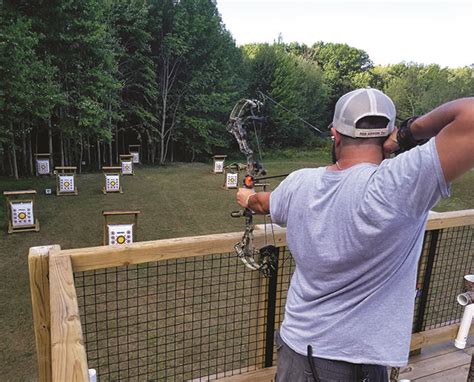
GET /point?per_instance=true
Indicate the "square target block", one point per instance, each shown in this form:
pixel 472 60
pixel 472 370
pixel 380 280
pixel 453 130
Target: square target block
pixel 127 167
pixel 112 182
pixel 22 214
pixel 135 157
pixel 42 166
pixel 219 166
pixel 120 234
pixel 231 180
pixel 66 183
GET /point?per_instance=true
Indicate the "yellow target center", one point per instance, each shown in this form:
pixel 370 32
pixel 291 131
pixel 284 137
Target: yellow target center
pixel 112 183
pixel 66 184
pixel 121 239
pixel 22 215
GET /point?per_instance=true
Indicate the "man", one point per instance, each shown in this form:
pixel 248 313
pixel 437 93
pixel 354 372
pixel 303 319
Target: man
pixel 355 230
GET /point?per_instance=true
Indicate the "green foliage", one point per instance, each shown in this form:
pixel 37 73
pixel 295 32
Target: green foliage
pixel 167 73
pixel 417 89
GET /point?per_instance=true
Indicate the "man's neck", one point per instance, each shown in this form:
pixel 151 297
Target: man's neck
pixel 351 156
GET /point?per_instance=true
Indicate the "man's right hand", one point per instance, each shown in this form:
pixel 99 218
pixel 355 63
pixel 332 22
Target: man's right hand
pixel 391 145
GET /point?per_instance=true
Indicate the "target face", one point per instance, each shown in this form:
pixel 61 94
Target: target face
pixel 231 180
pixel 135 157
pixel 127 167
pixel 120 234
pixel 112 182
pixel 66 183
pixel 42 166
pixel 22 214
pixel 219 166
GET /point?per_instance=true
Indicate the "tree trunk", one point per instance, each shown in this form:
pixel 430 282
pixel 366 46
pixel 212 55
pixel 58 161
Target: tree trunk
pixel 110 129
pixel 98 155
pixel 10 161
pixel 111 159
pixel 88 152
pixel 66 151
pixel 15 165
pixel 2 164
pixel 50 142
pixel 61 139
pixel 36 141
pixel 81 148
pixel 24 152
pixel 30 155
pixel 116 145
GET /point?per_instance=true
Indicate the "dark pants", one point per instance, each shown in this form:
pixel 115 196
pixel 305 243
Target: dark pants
pixel 294 367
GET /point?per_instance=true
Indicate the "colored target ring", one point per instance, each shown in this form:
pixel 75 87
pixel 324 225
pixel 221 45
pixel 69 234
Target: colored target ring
pixel 22 215
pixel 121 239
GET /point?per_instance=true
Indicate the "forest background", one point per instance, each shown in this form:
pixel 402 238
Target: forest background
pixel 83 79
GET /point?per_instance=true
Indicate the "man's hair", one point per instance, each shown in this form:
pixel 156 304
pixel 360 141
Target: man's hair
pixel 370 122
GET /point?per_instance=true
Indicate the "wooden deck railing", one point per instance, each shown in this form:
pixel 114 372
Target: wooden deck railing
pixel 60 344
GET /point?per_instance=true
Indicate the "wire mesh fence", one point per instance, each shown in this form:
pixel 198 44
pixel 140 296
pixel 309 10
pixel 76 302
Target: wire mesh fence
pixel 208 317
pixel 186 319
pixel 449 256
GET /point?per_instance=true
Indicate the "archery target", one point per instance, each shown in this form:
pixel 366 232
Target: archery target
pixel 112 182
pixel 135 157
pixel 219 166
pixel 42 166
pixel 120 234
pixel 66 183
pixel 231 180
pixel 127 167
pixel 22 214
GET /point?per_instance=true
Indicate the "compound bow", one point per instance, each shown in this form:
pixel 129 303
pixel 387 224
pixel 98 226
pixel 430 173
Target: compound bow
pixel 245 113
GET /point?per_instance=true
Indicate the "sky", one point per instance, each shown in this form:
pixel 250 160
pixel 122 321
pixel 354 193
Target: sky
pixel 390 31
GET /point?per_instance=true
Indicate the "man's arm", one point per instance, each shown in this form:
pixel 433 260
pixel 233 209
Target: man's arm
pixel 453 125
pixel 258 202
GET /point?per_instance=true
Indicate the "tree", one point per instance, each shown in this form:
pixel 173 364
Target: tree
pixel 136 69
pixel 29 89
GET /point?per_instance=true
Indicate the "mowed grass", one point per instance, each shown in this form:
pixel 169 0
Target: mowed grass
pixel 176 200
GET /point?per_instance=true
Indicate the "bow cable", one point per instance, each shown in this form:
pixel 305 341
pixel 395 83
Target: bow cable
pixel 264 96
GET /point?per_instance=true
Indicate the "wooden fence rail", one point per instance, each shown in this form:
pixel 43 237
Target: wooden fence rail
pixel 61 350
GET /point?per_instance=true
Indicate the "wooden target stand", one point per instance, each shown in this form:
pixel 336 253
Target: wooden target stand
pixel 112 180
pixel 21 211
pixel 66 181
pixel 218 163
pixel 232 175
pixel 126 164
pixel 134 151
pixel 43 164
pixel 123 233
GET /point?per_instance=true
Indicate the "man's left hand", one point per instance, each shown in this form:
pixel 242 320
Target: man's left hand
pixel 243 195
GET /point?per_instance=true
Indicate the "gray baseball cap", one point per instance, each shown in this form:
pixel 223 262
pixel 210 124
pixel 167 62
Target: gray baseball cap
pixel 360 103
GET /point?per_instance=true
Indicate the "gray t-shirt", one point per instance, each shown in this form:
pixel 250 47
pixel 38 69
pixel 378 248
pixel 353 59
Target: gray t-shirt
pixel 356 237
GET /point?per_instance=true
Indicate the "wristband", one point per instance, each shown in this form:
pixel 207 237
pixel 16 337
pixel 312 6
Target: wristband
pixel 405 138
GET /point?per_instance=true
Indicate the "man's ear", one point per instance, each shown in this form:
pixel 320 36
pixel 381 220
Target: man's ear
pixel 336 135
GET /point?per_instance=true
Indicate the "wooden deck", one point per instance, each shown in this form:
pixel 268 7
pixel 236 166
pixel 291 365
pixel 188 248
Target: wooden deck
pixel 440 363
pixel 437 363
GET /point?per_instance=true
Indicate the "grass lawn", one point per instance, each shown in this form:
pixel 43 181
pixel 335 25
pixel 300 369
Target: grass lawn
pixel 175 201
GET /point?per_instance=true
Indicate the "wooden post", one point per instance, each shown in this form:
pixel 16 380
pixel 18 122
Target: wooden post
pixel 38 265
pixel 68 353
